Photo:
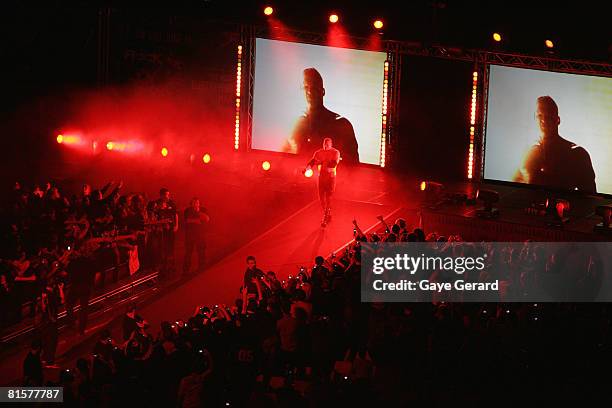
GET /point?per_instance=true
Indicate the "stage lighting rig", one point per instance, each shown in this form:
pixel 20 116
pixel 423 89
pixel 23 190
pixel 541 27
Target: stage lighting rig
pixel 432 192
pixel 431 186
pixel 435 193
pixel 549 47
pixel 605 212
pixel 558 209
pixel 538 208
pixel 488 197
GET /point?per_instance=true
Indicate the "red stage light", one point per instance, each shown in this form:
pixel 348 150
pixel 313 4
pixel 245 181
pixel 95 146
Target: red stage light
pixel 266 165
pixel 164 152
pixel 378 24
pixel 268 11
pixel 110 145
pixel 432 187
pixel 337 36
pixel 308 173
pixel 69 139
pixel 206 158
pixel 561 207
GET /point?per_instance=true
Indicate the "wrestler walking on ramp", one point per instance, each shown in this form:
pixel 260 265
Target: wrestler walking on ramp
pixel 327 160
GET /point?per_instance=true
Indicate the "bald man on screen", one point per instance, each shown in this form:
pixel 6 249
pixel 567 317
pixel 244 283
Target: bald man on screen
pixel 318 122
pixel 555 161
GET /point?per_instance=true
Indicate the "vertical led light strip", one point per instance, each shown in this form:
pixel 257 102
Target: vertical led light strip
pixel 470 170
pixel 383 134
pixel 238 84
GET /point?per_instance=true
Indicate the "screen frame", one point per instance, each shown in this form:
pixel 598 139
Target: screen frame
pixel 483 138
pixel 253 67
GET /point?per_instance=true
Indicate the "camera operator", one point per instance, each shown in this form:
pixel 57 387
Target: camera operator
pixel 251 288
pixel 130 320
pixel 319 274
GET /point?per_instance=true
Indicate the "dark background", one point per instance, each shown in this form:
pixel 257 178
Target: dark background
pixel 434 118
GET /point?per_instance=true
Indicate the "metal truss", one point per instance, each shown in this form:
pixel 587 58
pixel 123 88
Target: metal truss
pixel 393 100
pixel 549 63
pixel 507 59
pixel 247 40
pixel 545 63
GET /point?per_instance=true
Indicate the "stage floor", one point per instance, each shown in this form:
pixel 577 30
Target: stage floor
pixel 292 243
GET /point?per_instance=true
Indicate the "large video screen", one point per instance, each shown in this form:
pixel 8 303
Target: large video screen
pixel 549 129
pixel 304 93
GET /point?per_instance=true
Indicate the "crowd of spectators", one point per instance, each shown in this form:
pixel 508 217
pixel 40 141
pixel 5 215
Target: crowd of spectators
pixel 308 340
pixel 53 241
